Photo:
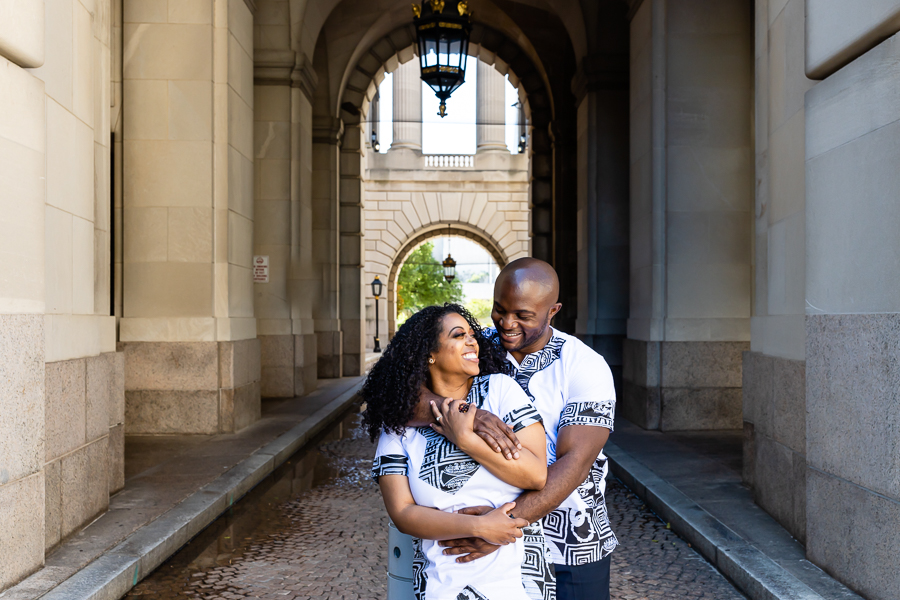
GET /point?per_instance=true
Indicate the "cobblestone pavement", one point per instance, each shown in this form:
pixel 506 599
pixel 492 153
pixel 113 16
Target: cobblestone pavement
pixel 318 531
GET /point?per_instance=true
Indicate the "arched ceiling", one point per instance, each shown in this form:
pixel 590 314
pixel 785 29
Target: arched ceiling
pixel 351 27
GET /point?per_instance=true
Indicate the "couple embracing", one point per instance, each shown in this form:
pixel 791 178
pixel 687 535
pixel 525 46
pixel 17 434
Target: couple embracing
pixel 468 421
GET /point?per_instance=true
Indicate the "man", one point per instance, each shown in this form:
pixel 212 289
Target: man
pixel 572 388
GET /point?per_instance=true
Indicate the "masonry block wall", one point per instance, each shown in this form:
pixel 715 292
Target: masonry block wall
pixel 853 294
pixel 405 201
pixel 690 219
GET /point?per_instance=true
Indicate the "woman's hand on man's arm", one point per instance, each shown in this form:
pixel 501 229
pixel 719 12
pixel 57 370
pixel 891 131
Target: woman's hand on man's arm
pixel 495 526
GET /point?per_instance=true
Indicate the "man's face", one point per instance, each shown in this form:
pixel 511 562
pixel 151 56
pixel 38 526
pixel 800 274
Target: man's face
pixel 522 314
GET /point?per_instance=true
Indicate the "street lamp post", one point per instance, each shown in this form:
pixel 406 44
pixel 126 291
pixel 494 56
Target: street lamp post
pixel 376 291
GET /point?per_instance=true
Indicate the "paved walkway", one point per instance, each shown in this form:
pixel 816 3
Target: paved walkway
pixel 293 541
pixel 693 479
pixel 161 472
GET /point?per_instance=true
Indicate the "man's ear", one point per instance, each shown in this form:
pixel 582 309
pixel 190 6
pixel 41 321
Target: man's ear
pixel 553 310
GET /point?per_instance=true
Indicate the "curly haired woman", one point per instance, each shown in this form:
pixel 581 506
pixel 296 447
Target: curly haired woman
pixel 429 456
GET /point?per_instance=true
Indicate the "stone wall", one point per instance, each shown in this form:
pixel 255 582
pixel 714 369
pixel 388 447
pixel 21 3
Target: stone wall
pixel 774 398
pixel 61 430
pixel 487 202
pixel 774 407
pixel 852 327
pixel 677 386
pixel 85 451
pixel 690 221
pixel 191 387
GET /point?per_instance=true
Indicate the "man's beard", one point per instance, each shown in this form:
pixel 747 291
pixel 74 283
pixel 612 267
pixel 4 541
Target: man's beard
pixel 529 340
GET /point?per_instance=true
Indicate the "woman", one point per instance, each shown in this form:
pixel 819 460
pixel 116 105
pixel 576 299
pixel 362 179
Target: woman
pixel 441 348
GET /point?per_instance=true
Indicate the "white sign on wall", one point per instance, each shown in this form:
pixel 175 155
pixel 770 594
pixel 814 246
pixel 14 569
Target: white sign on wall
pixel 260 269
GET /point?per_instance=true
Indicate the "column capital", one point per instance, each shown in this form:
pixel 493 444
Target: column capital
pixel 272 67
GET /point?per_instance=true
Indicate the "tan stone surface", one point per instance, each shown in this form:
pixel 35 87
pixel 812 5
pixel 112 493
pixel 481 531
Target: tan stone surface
pixel 21 520
pixel 163 173
pixel 52 503
pixel 22 190
pixel 116 458
pixel 64 415
pixel 276 350
pixel 157 51
pixel 22 32
pixel 117 390
pixel 190 235
pixel 84 485
pixel 277 382
pixel 22 380
pixel 167 289
pixel 247 407
pixel 170 366
pixel 98 372
pixel 159 412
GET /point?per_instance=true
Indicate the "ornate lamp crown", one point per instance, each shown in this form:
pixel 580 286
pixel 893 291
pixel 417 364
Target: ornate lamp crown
pixel 442 33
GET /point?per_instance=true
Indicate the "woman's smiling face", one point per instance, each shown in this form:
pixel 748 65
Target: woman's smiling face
pixel 458 351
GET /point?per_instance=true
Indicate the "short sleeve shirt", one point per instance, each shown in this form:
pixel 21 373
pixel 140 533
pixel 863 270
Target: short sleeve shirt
pixel 570 384
pixel 443 477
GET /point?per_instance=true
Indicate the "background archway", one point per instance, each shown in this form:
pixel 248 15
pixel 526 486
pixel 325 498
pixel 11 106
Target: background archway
pixel 456 230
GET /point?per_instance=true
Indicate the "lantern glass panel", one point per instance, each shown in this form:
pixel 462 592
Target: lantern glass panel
pixel 453 57
pixel 430 53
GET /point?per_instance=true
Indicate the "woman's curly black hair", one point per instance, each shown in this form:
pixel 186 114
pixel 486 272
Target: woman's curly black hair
pixel 392 388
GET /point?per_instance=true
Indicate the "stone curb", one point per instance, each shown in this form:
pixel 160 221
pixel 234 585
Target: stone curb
pixel 754 573
pixel 119 569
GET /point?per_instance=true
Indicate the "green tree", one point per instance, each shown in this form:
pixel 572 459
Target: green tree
pixel 478 277
pixel 481 310
pixel 421 283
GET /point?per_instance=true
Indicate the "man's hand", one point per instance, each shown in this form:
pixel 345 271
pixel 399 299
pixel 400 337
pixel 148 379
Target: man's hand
pixel 497 434
pixel 471 548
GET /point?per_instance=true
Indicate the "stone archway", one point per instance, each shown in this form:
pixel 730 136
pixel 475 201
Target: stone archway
pixel 359 85
pixel 480 237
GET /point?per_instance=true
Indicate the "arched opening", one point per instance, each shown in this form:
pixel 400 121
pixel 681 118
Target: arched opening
pixel 390 273
pixel 345 184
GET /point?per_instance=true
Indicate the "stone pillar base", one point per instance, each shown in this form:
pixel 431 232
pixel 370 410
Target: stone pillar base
pixel 682 386
pixel 191 387
pixel 306 377
pixel 774 400
pixel 329 347
pixel 85 442
pixel 288 365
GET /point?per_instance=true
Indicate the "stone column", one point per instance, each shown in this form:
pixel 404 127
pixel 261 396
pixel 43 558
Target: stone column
pixel 407 107
pixel 352 250
pixel 603 245
pixel 324 290
pixel 188 328
pixel 23 444
pixel 690 218
pixel 490 107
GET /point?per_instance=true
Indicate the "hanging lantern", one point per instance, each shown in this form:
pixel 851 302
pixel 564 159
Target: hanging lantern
pixel 442 32
pixel 449 268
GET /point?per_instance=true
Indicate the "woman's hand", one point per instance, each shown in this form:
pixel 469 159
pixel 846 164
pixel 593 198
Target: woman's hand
pixel 458 427
pixel 499 527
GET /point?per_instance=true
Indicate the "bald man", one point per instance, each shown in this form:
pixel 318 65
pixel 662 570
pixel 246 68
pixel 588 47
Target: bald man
pixel 572 388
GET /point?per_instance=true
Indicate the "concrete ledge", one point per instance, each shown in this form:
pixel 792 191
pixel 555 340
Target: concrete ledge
pixel 754 573
pixel 113 574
